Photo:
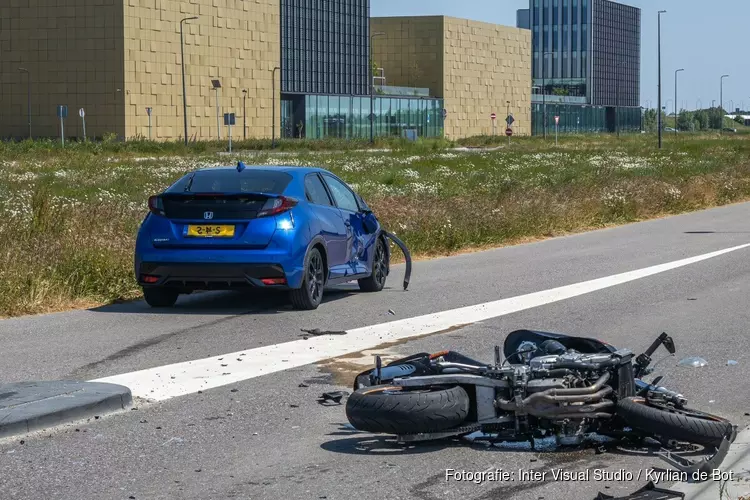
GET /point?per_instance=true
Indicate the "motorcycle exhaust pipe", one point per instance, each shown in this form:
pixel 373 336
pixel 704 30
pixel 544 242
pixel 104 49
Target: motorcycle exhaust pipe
pixel 557 393
pixel 407 256
pixel 575 411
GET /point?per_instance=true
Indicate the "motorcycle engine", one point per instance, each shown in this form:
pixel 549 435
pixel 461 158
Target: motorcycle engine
pixel 548 362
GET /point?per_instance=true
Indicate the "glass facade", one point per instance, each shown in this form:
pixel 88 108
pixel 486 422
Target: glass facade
pixel 586 47
pixel 585 119
pixel 347 117
pixel 617 54
pixel 324 46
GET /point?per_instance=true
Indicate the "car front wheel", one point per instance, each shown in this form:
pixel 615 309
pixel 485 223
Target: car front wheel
pixel 376 281
pixel 160 297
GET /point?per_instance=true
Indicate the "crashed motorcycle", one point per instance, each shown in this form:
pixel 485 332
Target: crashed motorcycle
pixel 548 384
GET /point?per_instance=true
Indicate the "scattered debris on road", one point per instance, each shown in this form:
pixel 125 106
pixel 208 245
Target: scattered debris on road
pixel 693 361
pixel 316 332
pixel 332 397
pixel 302 384
pixel 390 311
pixel 648 492
pixel 732 362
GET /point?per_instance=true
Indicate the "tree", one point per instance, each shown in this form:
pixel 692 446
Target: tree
pixel 739 119
pixel 701 119
pixel 715 118
pixel 685 120
pixel 649 120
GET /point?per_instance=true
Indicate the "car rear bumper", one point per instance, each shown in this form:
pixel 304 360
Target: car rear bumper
pixel 212 276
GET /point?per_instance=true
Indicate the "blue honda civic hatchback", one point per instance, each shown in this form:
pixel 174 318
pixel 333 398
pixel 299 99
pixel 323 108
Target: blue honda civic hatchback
pixel 290 229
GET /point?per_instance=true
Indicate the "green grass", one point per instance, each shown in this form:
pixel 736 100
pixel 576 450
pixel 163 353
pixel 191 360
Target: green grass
pixel 68 217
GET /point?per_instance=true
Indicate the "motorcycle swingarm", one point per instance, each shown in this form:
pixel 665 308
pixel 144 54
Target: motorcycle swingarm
pixel 700 468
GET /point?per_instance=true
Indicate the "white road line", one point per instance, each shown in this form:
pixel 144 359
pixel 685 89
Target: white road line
pixel 169 381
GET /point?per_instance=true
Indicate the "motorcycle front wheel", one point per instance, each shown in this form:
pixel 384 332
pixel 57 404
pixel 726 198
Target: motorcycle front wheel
pixel 399 410
pixel 681 424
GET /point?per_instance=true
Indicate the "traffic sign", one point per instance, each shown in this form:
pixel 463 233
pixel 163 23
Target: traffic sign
pixel 62 112
pixel 509 120
pixel 445 112
pixel 508 131
pixel 81 113
pixel 228 118
pixel 493 116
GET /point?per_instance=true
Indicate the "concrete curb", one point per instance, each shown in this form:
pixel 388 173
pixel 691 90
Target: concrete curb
pixel 31 406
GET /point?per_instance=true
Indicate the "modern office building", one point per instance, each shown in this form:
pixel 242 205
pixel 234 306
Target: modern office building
pixel 294 68
pixel 586 64
pixel 475 68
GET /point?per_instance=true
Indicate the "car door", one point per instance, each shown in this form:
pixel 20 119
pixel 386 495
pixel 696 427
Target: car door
pixel 358 241
pixel 327 223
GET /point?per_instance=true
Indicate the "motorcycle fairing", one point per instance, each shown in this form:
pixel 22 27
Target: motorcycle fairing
pixel 581 344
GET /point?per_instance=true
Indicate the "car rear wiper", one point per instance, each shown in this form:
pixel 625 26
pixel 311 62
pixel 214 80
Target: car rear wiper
pixel 190 183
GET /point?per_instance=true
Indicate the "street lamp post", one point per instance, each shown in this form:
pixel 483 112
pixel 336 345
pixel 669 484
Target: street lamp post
pixel 184 92
pixel 617 108
pixel 28 78
pixel 273 105
pixel 216 85
pixel 659 50
pixel 244 114
pixel 675 99
pixel 721 101
pixel 544 92
pixel 372 85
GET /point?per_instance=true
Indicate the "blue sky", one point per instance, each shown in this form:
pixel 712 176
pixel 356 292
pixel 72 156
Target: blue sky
pixel 706 38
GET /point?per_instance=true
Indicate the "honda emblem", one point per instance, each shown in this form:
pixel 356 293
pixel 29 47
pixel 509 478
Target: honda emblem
pixel 208 215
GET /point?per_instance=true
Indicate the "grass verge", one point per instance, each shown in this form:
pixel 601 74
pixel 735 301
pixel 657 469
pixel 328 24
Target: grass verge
pixel 68 218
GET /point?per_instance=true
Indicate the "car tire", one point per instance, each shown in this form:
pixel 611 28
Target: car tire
pixel 376 281
pixel 160 297
pixel 310 294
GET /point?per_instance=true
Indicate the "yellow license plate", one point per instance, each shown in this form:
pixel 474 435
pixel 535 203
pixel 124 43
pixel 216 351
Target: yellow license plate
pixel 208 231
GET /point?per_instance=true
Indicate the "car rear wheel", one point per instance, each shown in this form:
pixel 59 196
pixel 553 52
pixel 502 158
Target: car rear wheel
pixel 160 297
pixel 310 294
pixel 376 281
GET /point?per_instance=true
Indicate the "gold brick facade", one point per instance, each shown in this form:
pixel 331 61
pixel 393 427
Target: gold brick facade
pixel 475 67
pixel 75 58
pixel 234 41
pixel 115 58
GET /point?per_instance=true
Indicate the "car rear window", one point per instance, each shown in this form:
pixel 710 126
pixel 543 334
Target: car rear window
pixel 232 181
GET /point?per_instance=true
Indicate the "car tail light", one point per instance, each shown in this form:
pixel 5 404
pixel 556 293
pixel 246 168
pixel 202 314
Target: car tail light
pixel 273 281
pixel 147 278
pixel 155 205
pixel 275 206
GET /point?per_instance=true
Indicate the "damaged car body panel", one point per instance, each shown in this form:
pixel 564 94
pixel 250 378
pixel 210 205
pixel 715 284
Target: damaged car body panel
pixel 545 384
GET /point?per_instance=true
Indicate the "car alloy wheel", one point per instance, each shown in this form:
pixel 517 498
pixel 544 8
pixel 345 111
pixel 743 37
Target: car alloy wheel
pixel 379 263
pixel 315 277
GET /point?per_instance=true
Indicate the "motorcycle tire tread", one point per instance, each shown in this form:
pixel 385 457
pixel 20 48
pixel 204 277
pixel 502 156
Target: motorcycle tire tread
pixel 407 412
pixel 673 425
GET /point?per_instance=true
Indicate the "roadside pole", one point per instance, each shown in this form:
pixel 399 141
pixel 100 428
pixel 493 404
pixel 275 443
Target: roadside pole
pixel 148 112
pixel 557 126
pixel 229 120
pixel 62 113
pixel 82 114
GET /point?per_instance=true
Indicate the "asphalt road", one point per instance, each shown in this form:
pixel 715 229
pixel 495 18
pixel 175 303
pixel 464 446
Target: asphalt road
pixel 267 437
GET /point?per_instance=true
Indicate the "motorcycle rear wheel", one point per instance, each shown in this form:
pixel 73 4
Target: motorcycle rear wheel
pixel 684 424
pixel 397 410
